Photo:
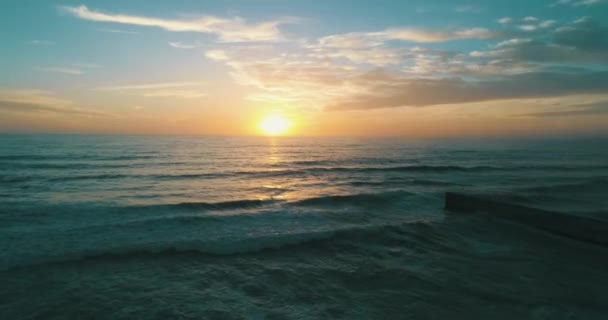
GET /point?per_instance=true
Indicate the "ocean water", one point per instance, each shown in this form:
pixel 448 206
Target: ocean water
pixel 127 227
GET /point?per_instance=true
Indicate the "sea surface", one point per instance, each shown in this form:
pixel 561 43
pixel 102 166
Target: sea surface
pixel 133 227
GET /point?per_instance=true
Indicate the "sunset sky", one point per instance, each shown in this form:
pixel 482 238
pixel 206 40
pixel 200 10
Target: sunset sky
pixel 366 68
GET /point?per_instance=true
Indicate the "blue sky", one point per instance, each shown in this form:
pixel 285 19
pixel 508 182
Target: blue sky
pixel 334 67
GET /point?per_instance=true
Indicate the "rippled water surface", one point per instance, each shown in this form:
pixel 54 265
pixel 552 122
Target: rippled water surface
pixel 117 227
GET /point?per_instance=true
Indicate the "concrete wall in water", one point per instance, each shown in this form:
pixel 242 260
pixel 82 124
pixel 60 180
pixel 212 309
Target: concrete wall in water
pixel 580 228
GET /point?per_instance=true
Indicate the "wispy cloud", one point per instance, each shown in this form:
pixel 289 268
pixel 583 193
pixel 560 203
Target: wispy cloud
pixel 181 45
pixel 420 35
pixel 469 9
pixel 529 24
pixel 582 41
pixel 588 109
pixel 505 20
pixel 41 43
pixel 184 90
pixel 426 92
pixel 228 30
pixel 32 100
pixel 87 65
pixel 375 39
pixel 577 3
pixel 148 86
pixel 117 31
pixel 70 71
pixel 218 55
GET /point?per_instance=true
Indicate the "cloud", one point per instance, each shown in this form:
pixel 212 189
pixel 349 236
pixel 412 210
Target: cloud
pixel 117 31
pixel 371 56
pixel 175 93
pixel 420 35
pixel 348 42
pixel 31 100
pixel 588 109
pixel 184 90
pixel 584 34
pixel 227 30
pixel 426 92
pixel 150 86
pixel 577 3
pixel 441 78
pixel 527 27
pixel 583 41
pixel 70 71
pixel 534 24
pixel 87 65
pixel 469 9
pixel 505 20
pixel 368 70
pixel 180 45
pixel 547 24
pixel 41 43
pixel 218 55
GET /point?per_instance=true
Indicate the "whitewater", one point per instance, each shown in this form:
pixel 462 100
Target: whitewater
pixel 161 227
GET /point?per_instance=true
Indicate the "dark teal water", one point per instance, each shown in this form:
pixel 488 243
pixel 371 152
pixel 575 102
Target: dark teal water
pixel 117 227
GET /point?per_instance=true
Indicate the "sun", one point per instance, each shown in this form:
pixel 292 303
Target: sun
pixel 274 125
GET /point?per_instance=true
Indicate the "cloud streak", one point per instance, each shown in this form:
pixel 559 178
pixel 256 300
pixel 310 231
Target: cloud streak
pixel 373 39
pixel 70 71
pixel 577 3
pixel 183 90
pixel 395 92
pixel 41 43
pixel 228 30
pixel 30 100
pixel 181 45
pixel 589 109
pixel 117 31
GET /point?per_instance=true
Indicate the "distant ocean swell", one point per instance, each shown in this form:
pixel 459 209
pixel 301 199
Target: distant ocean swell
pixel 71 157
pixel 10 178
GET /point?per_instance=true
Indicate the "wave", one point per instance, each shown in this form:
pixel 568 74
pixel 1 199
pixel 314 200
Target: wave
pixel 65 165
pixel 584 186
pixel 186 176
pixel 135 176
pixel 226 205
pixel 412 168
pixel 415 182
pixel 91 177
pixel 218 247
pixel 14 179
pixel 362 199
pixel 289 172
pixel 39 157
pixel 311 162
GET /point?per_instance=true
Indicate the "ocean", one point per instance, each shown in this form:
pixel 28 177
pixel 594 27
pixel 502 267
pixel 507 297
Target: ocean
pixel 160 227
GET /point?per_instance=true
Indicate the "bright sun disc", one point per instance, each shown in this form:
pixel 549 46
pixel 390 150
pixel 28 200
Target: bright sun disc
pixel 274 125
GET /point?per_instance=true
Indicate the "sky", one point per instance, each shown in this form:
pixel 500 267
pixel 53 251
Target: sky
pixel 331 67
